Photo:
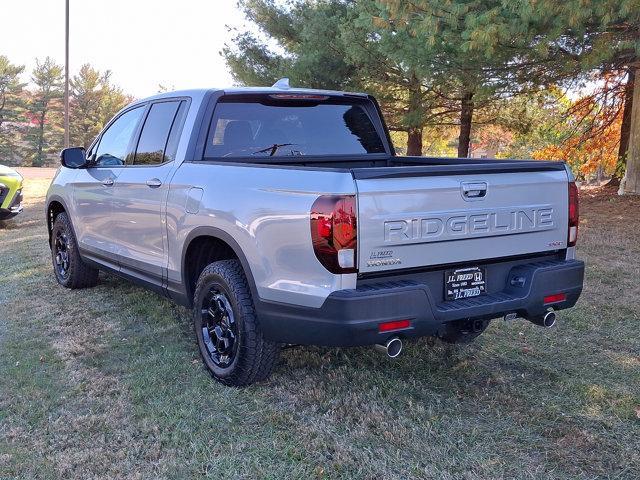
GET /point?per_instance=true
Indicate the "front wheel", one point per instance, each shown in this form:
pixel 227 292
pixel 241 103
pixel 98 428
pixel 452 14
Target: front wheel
pixel 227 329
pixel 68 267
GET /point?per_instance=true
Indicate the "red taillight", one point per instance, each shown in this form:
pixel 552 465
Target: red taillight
pixel 395 325
pixel 574 215
pixel 555 298
pixel 324 227
pixel 334 232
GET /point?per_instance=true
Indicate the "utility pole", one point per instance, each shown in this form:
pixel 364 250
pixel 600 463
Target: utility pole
pixel 66 76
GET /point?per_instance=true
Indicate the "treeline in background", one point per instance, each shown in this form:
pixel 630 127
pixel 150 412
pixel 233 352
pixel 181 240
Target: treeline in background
pixel 544 79
pixel 32 113
pixel 480 78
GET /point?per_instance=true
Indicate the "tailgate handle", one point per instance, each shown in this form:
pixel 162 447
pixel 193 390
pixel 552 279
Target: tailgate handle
pixel 474 190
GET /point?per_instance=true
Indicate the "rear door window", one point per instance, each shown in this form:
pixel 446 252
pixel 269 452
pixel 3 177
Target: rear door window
pixel 265 127
pixel 152 145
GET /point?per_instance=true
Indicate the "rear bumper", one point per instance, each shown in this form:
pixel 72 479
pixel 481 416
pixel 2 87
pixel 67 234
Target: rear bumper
pixel 351 317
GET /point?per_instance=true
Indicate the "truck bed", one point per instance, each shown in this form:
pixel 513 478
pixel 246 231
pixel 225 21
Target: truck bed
pixel 388 166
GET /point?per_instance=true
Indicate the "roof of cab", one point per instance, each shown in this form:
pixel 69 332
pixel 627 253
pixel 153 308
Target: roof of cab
pixel 240 90
pixel 201 92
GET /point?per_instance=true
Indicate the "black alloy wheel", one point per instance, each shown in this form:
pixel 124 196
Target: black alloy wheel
pixel 61 254
pixel 227 329
pixel 219 327
pixel 69 268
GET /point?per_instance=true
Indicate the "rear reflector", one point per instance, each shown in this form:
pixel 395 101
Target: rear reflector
pixel 555 298
pixel 395 325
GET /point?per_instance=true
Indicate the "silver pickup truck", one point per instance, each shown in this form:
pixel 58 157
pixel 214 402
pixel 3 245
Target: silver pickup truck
pixel 284 216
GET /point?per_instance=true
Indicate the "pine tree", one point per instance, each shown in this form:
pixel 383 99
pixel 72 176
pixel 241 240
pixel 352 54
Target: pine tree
pixel 312 53
pixel 557 39
pixel 94 100
pixel 12 105
pixel 472 51
pixel 416 57
pixel 330 45
pixel 45 112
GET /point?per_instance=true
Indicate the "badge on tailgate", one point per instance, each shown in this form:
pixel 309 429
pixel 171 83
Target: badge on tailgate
pixel 465 283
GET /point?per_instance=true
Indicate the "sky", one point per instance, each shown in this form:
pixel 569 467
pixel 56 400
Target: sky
pixel 143 43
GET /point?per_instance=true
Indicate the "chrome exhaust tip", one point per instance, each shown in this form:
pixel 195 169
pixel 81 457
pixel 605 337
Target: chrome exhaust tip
pixel 393 347
pixel 549 319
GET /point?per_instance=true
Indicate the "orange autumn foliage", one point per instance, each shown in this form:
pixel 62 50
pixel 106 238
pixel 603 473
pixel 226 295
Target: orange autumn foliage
pixel 587 154
pixel 591 131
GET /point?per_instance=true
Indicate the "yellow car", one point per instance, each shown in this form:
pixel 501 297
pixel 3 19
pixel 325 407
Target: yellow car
pixel 10 193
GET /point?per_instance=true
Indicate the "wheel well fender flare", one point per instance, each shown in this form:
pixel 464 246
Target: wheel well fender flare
pixel 219 234
pixel 60 200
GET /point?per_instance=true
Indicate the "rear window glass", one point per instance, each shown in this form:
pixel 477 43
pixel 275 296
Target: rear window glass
pixel 291 128
pixel 155 132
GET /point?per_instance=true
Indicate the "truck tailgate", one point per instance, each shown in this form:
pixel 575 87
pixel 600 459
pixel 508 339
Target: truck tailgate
pixel 418 220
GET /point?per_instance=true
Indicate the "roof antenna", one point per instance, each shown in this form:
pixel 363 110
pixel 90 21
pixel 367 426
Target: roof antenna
pixel 282 83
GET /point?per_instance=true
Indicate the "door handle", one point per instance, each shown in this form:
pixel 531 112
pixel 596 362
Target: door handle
pixel 154 183
pixel 108 182
pixel 474 190
pixel 479 193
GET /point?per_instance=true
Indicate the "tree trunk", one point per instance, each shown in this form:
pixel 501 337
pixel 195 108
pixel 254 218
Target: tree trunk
pixel 39 161
pixel 414 142
pixel 626 117
pixel 414 118
pixel 4 101
pixel 630 184
pixel 466 117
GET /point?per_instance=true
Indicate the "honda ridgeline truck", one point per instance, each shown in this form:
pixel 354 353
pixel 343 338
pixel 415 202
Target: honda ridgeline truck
pixel 283 216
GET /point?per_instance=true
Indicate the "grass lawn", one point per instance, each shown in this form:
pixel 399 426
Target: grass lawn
pixel 107 383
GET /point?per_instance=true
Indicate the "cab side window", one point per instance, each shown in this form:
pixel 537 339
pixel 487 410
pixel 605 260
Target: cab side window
pixel 114 142
pixel 152 146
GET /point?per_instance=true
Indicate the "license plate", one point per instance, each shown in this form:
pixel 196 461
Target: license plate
pixel 465 283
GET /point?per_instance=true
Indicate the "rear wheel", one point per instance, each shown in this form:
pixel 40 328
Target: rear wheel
pixel 463 331
pixel 227 329
pixel 68 267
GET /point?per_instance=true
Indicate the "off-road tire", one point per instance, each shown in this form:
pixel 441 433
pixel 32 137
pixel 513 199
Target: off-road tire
pixel 79 274
pixel 463 331
pixel 255 357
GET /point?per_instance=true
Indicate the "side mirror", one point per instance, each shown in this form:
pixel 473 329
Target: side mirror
pixel 73 157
